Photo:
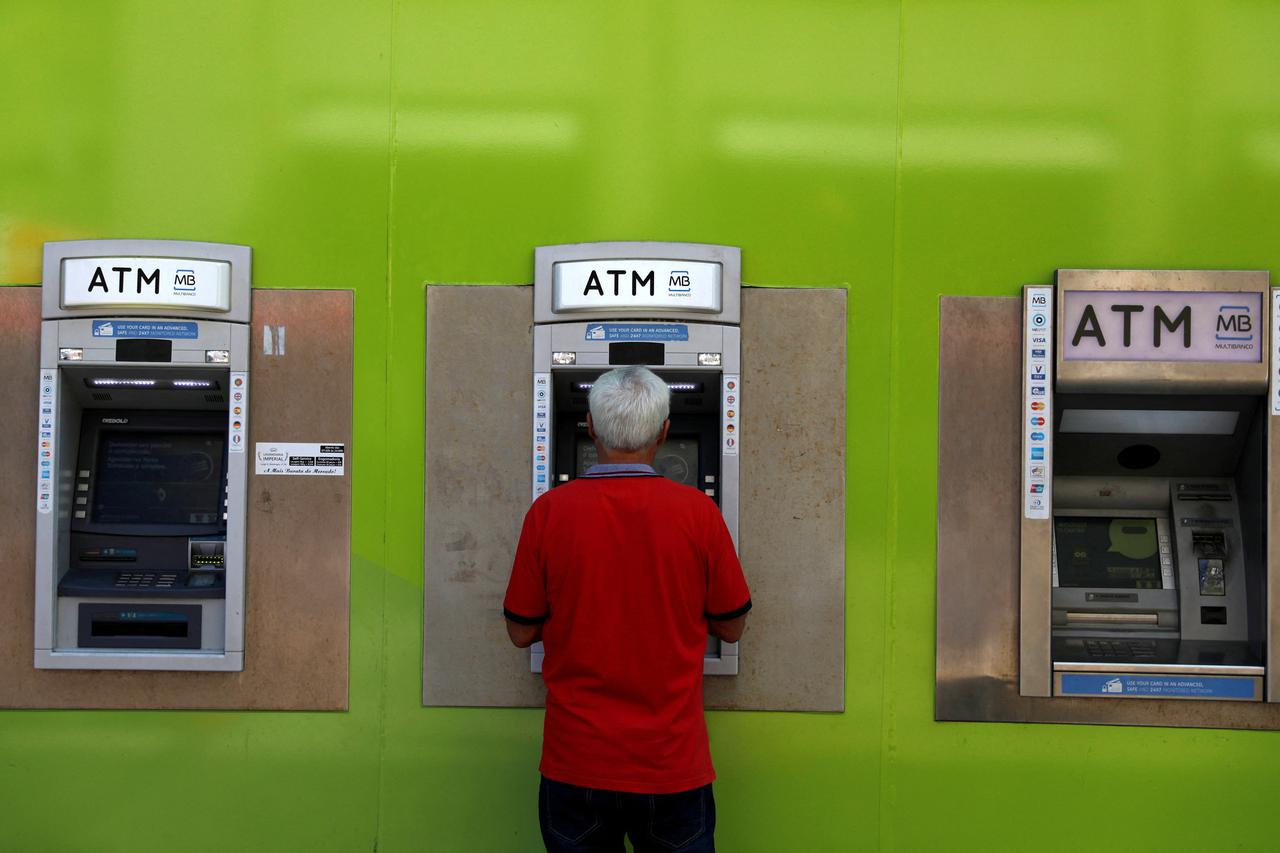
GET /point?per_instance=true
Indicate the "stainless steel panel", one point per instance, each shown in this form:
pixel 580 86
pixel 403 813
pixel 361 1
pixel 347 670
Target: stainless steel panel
pixel 979 506
pixel 298 533
pixel 791 506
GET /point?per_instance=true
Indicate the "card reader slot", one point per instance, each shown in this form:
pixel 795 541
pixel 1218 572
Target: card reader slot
pixel 1112 618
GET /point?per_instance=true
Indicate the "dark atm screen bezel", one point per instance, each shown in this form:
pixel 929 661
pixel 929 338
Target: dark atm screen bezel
pixel 91 431
pixel 1154 515
pixel 702 423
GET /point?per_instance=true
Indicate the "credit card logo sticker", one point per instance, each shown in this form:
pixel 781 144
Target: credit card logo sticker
pixel 1037 454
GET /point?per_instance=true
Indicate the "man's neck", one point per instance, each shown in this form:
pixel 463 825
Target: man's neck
pixel 609 456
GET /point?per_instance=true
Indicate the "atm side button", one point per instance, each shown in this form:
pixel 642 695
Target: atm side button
pixel 84 474
pixel 82 487
pixel 82 500
pixel 710 478
pixel 79 513
pixel 711 493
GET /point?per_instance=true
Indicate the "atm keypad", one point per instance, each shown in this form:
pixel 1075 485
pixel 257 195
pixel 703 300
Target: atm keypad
pixel 132 580
pixel 1131 650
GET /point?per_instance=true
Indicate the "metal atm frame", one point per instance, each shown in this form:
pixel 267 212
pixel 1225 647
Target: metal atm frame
pixel 1139 431
pixel 675 307
pixel 142 340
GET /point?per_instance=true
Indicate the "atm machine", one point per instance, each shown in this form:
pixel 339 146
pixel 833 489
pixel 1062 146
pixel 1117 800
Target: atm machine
pixel 673 307
pixel 1147 487
pixel 141 472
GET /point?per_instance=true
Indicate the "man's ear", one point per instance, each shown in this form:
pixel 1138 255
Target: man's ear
pixel 591 428
pixel 662 436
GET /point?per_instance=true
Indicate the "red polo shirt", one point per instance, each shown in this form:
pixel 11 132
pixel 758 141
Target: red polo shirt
pixel 625 568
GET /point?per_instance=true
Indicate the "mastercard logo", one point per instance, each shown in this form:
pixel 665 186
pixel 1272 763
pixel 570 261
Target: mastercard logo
pixel 1037 406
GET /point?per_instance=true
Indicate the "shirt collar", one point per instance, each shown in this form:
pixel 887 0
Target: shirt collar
pixel 621 469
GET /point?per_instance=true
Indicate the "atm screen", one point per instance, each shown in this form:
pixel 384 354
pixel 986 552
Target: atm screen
pixel 158 478
pixel 677 459
pixel 1107 552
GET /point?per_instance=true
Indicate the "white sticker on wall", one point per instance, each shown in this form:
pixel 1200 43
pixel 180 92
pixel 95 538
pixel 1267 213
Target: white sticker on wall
pixel 46 443
pixel 540 473
pixel 1037 403
pixel 1275 351
pixel 327 459
pixel 730 405
pixel 238 413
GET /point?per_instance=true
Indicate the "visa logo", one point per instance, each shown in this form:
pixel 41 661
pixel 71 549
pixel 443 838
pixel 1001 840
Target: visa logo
pixel 1037 377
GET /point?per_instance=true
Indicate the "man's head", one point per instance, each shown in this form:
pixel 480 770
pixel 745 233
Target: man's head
pixel 629 409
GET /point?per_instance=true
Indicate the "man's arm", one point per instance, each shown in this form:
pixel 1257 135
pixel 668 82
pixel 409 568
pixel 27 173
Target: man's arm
pixel 524 636
pixel 726 630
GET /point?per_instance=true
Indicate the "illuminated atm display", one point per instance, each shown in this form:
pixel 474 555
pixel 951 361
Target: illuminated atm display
pixel 1107 552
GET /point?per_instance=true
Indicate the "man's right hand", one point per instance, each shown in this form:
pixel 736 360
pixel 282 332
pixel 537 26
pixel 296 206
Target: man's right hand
pixel 728 630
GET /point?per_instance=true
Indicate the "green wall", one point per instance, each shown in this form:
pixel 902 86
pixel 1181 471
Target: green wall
pixel 901 150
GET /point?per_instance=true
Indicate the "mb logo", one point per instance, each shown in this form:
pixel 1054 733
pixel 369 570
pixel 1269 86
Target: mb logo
pixel 184 281
pixel 679 283
pixel 1234 323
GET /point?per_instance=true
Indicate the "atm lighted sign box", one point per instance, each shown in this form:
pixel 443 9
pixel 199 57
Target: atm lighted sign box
pixel 682 285
pixel 610 281
pixel 1162 326
pixel 154 282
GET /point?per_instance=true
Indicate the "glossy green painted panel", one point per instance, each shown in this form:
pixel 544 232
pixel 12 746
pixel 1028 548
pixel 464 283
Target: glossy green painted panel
pixel 764 125
pixel 899 150
pixel 1082 134
pixel 258 123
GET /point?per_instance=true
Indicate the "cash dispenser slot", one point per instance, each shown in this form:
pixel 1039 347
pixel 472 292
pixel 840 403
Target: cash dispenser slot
pixel 139 626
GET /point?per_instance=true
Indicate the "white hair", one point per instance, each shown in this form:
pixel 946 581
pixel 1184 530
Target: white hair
pixel 628 406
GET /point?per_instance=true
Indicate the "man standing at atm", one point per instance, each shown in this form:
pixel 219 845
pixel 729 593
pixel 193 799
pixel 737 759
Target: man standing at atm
pixel 621 573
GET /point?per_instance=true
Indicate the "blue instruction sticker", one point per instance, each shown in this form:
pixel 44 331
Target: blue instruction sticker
pixel 1158 686
pixel 637 332
pixel 144 329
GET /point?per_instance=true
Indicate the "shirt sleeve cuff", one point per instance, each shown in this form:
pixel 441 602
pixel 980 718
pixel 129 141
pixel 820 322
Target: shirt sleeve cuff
pixel 532 620
pixel 732 614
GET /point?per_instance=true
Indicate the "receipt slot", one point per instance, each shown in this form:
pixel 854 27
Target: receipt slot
pixel 141 473
pixel 1147 462
pixel 673 307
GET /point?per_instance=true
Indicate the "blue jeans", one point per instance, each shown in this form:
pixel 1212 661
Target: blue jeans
pixel 592 820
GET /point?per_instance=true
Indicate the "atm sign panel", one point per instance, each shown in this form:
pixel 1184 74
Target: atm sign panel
pixel 1206 326
pixel 134 282
pixel 636 284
